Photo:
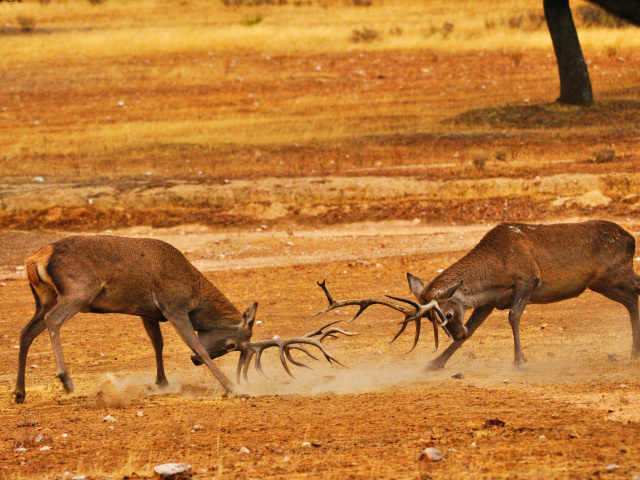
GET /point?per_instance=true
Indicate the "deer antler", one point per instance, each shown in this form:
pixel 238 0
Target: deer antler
pixel 410 315
pixel 285 346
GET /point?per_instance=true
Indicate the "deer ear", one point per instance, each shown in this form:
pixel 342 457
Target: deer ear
pixel 249 317
pixel 447 292
pixel 415 284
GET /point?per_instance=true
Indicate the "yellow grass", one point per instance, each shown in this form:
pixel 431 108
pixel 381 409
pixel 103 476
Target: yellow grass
pixel 118 28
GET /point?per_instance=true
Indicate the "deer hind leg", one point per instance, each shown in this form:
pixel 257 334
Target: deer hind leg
pixel 66 308
pixel 153 330
pixel 28 334
pixel 628 298
pixel 521 297
pixel 478 316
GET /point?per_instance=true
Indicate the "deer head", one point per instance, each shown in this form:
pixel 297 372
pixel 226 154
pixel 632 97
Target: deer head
pixel 450 307
pixel 227 338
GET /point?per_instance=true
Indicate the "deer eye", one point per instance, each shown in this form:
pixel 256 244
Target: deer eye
pixel 230 347
pixel 448 316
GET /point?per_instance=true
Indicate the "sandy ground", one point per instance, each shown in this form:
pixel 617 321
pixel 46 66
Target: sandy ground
pixel 573 413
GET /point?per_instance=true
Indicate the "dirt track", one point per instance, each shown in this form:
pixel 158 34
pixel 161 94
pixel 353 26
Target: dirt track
pixel 370 421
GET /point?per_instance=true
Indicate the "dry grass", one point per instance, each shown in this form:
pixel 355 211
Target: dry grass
pixel 186 91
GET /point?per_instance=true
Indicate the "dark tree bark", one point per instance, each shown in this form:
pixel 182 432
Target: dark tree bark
pixel 575 86
pixel 627 9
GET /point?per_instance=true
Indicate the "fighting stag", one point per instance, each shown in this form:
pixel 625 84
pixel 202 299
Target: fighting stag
pixel 516 264
pixel 410 315
pixel 144 277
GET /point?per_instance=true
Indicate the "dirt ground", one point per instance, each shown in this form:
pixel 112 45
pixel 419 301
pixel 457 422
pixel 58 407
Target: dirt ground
pixel 573 413
pixel 275 151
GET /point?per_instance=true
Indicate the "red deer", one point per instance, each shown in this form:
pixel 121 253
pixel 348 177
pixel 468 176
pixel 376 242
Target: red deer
pixel 515 264
pixel 153 280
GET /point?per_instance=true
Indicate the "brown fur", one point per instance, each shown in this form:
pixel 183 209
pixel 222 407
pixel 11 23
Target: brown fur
pixel 515 264
pixel 144 277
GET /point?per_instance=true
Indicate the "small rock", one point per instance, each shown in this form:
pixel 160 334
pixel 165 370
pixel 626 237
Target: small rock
pixel 543 326
pixel 45 448
pixel 574 435
pixel 172 471
pixel 34 366
pixel 198 427
pixel 542 438
pixel 458 376
pixel 38 179
pixel 612 467
pixel 19 268
pixel 276 337
pixel 506 380
pixel 431 454
pixel 139 414
pixel 614 357
pixel 20 449
pixel 473 444
pixel 244 450
pixel 493 422
pixel 286 459
pixel 109 418
pixel 79 477
pixel 306 444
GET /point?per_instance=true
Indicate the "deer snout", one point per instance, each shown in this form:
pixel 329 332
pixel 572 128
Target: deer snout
pixel 196 360
pixel 461 335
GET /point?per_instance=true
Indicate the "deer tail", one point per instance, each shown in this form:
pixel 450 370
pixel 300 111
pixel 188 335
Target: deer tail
pixel 36 267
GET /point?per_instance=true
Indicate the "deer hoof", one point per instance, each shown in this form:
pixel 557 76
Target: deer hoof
pixel 520 367
pixel 162 383
pixel 19 396
pixel 431 367
pixel 67 384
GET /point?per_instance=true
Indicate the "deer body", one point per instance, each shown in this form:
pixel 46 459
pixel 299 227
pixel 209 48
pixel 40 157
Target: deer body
pixel 516 264
pixel 144 277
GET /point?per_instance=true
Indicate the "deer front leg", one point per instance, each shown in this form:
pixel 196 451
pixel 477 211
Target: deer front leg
pixel 182 324
pixel 153 330
pixel 521 297
pixel 478 316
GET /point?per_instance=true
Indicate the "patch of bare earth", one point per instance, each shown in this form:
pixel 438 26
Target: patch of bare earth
pixel 572 414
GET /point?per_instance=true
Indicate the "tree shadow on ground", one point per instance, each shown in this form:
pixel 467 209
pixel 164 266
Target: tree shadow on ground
pixel 609 113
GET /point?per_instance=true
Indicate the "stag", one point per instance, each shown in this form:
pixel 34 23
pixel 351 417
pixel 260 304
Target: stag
pixel 516 264
pixel 153 280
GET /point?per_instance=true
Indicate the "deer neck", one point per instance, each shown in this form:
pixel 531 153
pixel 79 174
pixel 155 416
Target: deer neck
pixel 475 290
pixel 214 310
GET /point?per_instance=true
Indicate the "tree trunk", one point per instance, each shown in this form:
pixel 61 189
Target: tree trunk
pixel 575 86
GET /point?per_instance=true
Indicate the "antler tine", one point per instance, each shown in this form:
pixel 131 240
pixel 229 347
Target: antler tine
pixel 435 334
pixel 363 303
pixel 301 348
pixel 243 364
pixel 284 362
pixel 319 330
pixel 287 352
pixel 417 336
